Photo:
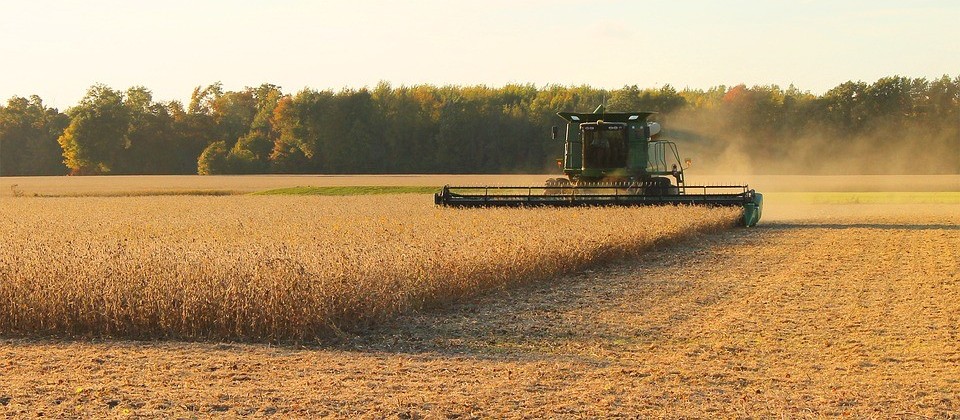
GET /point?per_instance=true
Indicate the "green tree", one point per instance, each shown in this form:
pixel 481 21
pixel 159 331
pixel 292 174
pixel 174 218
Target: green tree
pixel 96 136
pixel 28 138
pixel 257 144
pixel 214 159
pixel 910 125
pixel 152 142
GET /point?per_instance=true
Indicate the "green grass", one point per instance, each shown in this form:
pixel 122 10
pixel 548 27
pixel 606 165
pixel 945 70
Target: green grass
pixel 356 190
pixel 942 197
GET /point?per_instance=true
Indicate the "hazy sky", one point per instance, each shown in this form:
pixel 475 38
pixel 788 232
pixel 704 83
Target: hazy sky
pixel 57 49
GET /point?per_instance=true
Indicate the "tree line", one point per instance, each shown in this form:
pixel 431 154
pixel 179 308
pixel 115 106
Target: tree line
pixel 894 125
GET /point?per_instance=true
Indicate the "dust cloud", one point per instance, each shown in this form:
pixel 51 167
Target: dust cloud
pixel 716 147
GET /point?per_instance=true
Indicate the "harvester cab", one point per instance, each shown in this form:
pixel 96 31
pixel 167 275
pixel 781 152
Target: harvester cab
pixel 616 148
pixel 612 158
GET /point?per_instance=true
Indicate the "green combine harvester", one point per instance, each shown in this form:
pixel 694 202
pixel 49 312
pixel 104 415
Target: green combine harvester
pixel 612 158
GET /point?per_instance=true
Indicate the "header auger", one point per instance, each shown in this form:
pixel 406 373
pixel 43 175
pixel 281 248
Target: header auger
pixel 612 158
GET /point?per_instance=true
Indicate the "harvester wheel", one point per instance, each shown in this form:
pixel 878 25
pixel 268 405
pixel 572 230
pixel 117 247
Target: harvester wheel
pixel 661 186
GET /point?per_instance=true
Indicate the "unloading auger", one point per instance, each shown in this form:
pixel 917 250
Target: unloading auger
pixel 612 158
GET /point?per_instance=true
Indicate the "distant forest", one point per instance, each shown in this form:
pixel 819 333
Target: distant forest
pixel 895 125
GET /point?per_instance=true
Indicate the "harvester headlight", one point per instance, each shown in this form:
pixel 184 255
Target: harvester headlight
pixel 654 128
pixel 633 117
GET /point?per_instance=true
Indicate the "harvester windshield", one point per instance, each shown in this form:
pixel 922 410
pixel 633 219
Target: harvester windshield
pixel 604 145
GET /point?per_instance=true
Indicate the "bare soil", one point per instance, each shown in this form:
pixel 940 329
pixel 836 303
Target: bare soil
pixel 824 311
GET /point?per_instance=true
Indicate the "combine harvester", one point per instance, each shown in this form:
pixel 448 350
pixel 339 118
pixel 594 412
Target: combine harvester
pixel 612 158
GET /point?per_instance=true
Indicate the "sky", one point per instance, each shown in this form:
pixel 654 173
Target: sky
pixel 57 49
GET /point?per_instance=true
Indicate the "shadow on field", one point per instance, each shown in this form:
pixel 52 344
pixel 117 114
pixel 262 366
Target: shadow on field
pixel 625 306
pixel 621 307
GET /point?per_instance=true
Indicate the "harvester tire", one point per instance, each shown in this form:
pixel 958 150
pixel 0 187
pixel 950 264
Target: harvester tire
pixel 661 186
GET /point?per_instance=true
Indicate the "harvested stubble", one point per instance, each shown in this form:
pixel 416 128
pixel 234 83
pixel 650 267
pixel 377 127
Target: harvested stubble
pixel 288 268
